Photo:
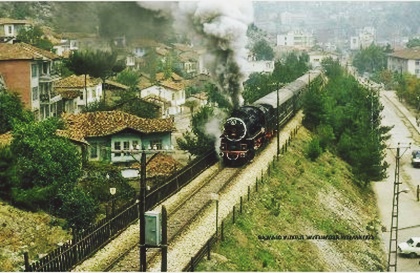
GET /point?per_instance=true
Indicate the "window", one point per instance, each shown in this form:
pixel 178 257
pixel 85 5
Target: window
pixel 126 145
pixel 156 144
pixel 35 93
pixel 117 146
pixel 34 71
pixel 94 150
pixel 9 30
pixel 135 143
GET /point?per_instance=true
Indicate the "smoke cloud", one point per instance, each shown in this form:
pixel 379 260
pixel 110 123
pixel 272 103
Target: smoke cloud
pixel 219 26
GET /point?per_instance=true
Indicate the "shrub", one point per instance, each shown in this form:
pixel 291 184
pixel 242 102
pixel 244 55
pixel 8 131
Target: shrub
pixel 314 149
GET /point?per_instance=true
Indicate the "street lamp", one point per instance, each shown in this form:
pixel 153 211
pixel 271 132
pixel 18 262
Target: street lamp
pixel 112 191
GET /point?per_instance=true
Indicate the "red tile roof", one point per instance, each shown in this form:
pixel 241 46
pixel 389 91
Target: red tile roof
pixel 22 51
pixel 104 123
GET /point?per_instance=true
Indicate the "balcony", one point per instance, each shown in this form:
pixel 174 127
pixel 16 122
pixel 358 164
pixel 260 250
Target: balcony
pixel 44 78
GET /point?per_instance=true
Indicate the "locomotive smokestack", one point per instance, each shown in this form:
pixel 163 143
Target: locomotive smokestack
pixel 221 27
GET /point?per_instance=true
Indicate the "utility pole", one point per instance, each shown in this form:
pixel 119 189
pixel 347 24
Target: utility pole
pixel 142 205
pixel 278 121
pixel 393 236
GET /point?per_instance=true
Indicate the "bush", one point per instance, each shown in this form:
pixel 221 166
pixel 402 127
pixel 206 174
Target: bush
pixel 78 209
pixel 314 149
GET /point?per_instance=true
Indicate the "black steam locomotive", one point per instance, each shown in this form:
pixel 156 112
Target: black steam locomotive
pixel 251 126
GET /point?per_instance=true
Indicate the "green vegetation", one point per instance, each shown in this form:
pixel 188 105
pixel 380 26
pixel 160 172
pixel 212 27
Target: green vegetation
pixel 371 59
pixel 11 111
pixel 408 89
pixel 303 198
pixel 35 36
pixel 285 71
pixel 198 140
pixel 347 118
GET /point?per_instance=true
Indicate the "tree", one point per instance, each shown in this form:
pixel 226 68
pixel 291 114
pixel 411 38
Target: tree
pixel 99 64
pixel 7 172
pixel 371 59
pixel 415 42
pixel 256 86
pixel 199 140
pixel 46 164
pixel 12 110
pixel 36 37
pixel 129 78
pixel 263 51
pixel 346 118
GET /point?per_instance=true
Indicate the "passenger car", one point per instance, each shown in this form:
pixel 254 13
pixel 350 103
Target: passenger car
pixel 415 160
pixel 410 248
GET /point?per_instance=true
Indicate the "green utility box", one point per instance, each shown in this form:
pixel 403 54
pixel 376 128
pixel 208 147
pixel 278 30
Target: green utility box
pixel 153 228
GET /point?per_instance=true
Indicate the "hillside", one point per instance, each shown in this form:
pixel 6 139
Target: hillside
pixel 22 231
pixel 302 199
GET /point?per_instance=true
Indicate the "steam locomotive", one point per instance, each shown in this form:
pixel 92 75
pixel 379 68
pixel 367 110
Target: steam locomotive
pixel 251 126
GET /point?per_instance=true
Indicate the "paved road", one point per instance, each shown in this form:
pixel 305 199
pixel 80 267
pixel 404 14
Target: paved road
pixel 405 131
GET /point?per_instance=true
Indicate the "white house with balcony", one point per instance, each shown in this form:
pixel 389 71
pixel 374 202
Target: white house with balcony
pixel 168 93
pixel 9 28
pixel 75 95
pixel 405 61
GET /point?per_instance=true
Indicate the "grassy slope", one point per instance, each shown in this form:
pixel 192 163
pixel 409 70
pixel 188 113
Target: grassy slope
pixel 22 231
pixel 303 198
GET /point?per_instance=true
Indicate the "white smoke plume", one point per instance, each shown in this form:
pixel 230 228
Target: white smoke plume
pixel 221 27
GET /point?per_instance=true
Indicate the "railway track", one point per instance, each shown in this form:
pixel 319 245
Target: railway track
pixel 180 216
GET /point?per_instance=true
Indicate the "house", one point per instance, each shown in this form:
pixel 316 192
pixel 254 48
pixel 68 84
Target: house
pixel 66 46
pixel 110 131
pixel 168 93
pixel 29 71
pixel 363 39
pixel 9 28
pixel 316 57
pixel 405 61
pixel 74 94
pixel 297 39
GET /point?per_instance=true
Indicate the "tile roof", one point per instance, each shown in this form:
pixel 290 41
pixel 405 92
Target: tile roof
pixel 160 165
pixel 72 86
pixel 117 84
pixel 76 82
pixel 407 53
pixel 23 51
pixel 4 21
pixel 104 123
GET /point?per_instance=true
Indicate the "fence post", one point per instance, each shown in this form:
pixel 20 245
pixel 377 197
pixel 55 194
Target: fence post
pixel 256 184
pixel 164 264
pixel 240 205
pixel 222 231
pixel 26 257
pixel 192 264
pixel 418 193
pixel 233 215
pixel 208 249
pixel 249 192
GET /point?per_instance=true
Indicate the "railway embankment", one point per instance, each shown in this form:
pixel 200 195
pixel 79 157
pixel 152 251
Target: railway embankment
pixel 306 216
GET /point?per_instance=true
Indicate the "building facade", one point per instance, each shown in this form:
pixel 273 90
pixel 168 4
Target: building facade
pixel 29 71
pixel 405 61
